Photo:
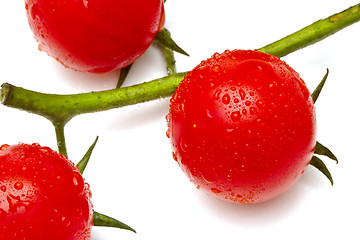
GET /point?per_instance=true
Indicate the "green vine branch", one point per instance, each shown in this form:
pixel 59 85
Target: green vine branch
pixel 314 33
pixel 59 109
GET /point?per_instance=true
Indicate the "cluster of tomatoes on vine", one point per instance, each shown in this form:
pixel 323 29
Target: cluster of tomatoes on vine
pixel 242 123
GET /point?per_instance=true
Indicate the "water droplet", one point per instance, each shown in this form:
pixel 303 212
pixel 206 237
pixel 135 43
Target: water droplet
pixel 260 103
pixel 273 85
pixel 65 221
pixel 259 122
pixel 217 94
pixel 78 182
pixel 45 149
pixel 216 69
pixel 229 130
pixel 281 96
pixel 22 156
pixel 226 99
pixel 18 185
pixel 4 146
pixel 229 177
pixel 252 111
pixel 174 156
pixel 40 48
pixel 3 188
pixel 242 95
pixel 248 103
pixel 215 190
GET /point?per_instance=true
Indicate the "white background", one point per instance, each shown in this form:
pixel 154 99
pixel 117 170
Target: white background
pixel 132 174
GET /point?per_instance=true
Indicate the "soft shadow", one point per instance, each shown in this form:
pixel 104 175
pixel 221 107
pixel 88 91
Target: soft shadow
pixel 86 82
pixel 141 114
pixel 101 233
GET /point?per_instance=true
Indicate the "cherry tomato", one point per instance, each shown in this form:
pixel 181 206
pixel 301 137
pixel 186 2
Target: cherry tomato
pixel 95 35
pixel 42 195
pixel 242 126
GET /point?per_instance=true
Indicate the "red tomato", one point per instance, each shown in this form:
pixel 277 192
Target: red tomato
pixel 42 196
pixel 95 35
pixel 242 126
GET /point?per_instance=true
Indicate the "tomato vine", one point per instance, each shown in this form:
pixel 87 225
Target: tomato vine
pixel 60 109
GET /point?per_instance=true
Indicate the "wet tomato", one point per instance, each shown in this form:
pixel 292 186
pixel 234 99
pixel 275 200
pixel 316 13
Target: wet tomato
pixel 42 195
pixel 242 126
pixel 95 35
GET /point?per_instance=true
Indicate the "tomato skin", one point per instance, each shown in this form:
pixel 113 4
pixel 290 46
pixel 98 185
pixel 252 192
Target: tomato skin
pixel 95 35
pixel 242 126
pixel 42 195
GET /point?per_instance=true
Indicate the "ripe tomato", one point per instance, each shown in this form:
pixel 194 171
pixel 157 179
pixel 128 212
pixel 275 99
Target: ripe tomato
pixel 42 195
pixel 95 35
pixel 242 126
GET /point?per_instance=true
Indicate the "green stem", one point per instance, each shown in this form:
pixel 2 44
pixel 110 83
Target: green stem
pixel 169 59
pixel 168 46
pixel 60 137
pixel 61 108
pixel 314 32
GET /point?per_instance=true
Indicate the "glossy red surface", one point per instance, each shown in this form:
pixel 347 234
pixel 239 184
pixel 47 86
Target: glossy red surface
pixel 242 126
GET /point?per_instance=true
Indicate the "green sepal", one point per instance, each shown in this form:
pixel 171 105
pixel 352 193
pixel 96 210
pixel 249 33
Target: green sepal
pixel 164 38
pixel 320 165
pixel 84 161
pixel 322 150
pixel 123 74
pixel 318 89
pixel 106 221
